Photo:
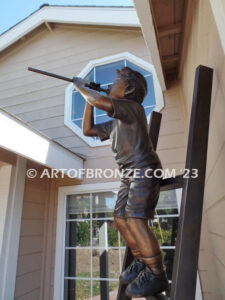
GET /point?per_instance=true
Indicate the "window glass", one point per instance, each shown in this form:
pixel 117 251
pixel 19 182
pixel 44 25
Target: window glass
pixel 99 112
pixel 101 119
pixel 78 104
pixel 136 68
pixel 150 98
pixel 78 206
pixel 106 74
pixel 90 76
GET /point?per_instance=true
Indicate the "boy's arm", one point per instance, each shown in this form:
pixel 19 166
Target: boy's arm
pixel 93 97
pixel 88 121
pixel 101 130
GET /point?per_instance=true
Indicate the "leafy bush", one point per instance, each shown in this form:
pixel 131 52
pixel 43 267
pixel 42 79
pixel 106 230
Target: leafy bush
pixel 83 233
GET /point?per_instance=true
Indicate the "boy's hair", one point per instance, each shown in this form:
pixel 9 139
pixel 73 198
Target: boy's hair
pixel 136 80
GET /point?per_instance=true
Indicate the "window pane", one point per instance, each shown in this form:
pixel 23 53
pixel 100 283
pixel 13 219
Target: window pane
pixel 90 76
pixel 165 230
pixel 113 289
pixel 99 233
pixel 168 261
pixel 96 226
pixel 104 202
pixel 113 237
pixel 77 233
pixel 78 206
pixel 150 97
pixel 107 73
pixel 77 263
pixel 96 262
pixel 101 119
pixel 100 287
pixel 148 110
pixel 122 241
pixel 78 123
pixel 77 290
pixel 167 203
pixel 100 263
pixel 113 261
pixel 100 112
pixel 78 104
pixel 137 68
pixel 122 251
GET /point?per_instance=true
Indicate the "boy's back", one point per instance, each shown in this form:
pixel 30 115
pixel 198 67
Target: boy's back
pixel 128 131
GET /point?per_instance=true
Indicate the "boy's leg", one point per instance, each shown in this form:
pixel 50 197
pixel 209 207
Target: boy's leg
pixel 146 242
pixel 152 280
pixel 133 270
pixel 143 236
pixel 124 230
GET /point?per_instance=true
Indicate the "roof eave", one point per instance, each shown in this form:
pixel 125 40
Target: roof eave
pixel 103 16
pixel 23 140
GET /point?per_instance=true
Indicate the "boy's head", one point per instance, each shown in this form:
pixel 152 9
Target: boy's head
pixel 129 84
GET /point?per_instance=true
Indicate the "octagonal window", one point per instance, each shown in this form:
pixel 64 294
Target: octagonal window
pixel 104 73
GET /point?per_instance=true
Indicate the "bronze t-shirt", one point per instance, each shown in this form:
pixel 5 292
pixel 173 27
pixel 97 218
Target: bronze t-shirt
pixel 128 132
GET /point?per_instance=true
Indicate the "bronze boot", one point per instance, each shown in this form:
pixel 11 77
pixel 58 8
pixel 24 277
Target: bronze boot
pixel 151 281
pixel 133 270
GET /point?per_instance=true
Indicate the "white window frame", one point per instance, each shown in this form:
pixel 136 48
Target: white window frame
pixel 63 192
pixel 61 228
pixel 14 194
pixel 106 60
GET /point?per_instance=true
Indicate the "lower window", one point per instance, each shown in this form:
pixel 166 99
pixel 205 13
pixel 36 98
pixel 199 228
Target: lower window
pixel 94 249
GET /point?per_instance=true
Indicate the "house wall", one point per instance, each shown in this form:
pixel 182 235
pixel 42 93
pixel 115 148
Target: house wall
pixel 31 246
pixel 39 100
pixel 36 259
pixel 204 47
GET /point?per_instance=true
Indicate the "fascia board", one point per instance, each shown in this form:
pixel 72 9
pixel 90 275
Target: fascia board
pixel 124 17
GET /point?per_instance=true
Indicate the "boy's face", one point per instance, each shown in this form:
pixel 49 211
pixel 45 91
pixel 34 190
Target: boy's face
pixel 118 88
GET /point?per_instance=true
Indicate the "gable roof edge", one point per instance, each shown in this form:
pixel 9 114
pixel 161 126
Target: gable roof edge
pixel 105 16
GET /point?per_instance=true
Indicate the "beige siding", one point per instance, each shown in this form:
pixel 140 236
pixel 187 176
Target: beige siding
pixel 204 48
pixel 36 259
pixel 31 247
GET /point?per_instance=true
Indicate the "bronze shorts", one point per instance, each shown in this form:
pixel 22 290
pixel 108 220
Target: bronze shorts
pixel 138 197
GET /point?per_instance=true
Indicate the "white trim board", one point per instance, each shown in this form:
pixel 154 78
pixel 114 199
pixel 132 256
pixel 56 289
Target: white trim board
pixel 105 16
pixel 218 9
pixel 60 230
pixel 5 174
pixel 148 31
pixel 106 60
pixel 21 139
pixel 11 234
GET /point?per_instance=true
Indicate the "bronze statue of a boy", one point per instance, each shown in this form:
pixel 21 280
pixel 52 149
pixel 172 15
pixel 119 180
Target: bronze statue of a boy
pixel 138 195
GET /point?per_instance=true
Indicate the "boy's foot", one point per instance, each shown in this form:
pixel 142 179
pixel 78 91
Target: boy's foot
pixel 147 284
pixel 132 271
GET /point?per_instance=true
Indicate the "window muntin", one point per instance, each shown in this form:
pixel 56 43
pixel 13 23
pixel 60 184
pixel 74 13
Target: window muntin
pixel 105 74
pixel 93 242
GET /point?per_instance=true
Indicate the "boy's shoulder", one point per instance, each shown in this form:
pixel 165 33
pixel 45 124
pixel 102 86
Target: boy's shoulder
pixel 126 110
